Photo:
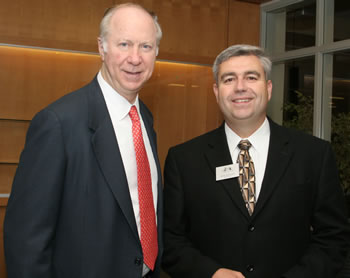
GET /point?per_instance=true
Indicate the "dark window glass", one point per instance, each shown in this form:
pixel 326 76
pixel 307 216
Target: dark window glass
pixel 341 20
pixel 301 27
pixel 299 94
pixel 340 104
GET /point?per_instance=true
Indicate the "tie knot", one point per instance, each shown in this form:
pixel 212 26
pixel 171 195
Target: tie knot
pixel 134 116
pixel 244 145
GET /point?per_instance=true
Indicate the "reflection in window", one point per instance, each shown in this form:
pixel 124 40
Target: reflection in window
pixel 299 94
pixel 341 20
pixel 340 103
pixel 301 27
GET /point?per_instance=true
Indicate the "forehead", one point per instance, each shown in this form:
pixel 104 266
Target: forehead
pixel 132 22
pixel 241 65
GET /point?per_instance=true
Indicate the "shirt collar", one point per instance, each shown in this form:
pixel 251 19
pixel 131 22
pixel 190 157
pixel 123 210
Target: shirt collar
pixel 258 139
pixel 114 99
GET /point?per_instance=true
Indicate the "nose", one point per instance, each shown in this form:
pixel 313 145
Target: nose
pixel 134 56
pixel 240 85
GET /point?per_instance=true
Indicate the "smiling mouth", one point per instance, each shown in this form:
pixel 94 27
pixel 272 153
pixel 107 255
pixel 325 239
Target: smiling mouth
pixel 241 100
pixel 132 73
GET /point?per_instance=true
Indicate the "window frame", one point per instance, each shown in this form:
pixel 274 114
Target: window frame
pixel 272 22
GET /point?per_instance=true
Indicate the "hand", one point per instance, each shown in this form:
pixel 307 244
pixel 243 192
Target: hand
pixel 227 273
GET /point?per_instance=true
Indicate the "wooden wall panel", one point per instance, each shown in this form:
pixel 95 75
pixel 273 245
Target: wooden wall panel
pixel 62 24
pixel 182 102
pixel 7 172
pixel 12 140
pixel 244 23
pixel 74 25
pixel 31 79
pixel 194 30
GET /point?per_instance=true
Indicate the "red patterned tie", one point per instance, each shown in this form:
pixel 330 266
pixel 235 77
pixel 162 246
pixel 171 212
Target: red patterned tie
pixel 148 225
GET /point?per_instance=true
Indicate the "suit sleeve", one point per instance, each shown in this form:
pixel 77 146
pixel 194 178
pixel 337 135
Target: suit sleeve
pixel 181 258
pixel 330 229
pixel 33 207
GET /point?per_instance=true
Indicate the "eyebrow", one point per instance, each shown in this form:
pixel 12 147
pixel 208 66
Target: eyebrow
pixel 222 77
pixel 253 72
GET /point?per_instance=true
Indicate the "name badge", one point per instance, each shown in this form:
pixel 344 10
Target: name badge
pixel 227 172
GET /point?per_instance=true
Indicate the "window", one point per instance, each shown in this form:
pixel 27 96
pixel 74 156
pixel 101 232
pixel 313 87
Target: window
pixel 309 46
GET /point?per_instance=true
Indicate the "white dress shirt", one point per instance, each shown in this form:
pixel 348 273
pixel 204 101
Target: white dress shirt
pixel 118 108
pixel 258 152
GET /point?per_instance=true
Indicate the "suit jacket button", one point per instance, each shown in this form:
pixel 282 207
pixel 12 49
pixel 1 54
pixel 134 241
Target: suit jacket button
pixel 250 268
pixel 138 261
pixel 251 228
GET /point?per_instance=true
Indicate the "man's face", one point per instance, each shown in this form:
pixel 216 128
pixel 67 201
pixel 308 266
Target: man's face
pixel 242 91
pixel 129 51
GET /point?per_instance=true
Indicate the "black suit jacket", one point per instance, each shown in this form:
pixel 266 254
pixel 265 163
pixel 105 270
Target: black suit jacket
pixel 298 228
pixel 70 211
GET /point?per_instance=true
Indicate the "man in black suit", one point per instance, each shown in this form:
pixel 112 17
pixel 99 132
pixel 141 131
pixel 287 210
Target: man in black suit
pixel 281 213
pixel 75 208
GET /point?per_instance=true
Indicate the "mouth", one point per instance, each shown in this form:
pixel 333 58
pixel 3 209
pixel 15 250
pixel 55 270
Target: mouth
pixel 133 76
pixel 132 72
pixel 242 100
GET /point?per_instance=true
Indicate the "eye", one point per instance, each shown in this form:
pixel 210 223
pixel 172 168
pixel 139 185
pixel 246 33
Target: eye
pixel 123 45
pixel 146 47
pixel 252 78
pixel 228 80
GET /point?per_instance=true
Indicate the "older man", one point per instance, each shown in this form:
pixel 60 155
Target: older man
pixel 86 199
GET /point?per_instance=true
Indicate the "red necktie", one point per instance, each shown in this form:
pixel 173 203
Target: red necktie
pixel 148 225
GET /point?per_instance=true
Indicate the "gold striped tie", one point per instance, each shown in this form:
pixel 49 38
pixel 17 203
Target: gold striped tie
pixel 246 175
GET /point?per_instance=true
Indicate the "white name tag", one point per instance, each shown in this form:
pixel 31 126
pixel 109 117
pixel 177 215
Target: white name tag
pixel 227 172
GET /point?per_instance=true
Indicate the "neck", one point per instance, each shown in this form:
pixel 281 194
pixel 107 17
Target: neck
pixel 244 129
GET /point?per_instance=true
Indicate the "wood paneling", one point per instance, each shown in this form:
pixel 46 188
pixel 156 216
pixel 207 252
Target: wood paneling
pixel 183 103
pixel 7 172
pixel 244 23
pixel 194 30
pixel 62 24
pixel 12 140
pixel 31 79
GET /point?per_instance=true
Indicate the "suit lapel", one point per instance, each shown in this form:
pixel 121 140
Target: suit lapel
pixel 107 152
pixel 279 156
pixel 218 154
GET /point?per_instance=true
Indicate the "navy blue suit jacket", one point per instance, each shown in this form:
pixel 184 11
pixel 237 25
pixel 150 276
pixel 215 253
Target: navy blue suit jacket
pixel 70 213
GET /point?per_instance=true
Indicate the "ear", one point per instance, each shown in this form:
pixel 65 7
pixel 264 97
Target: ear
pixel 269 89
pixel 216 91
pixel 101 49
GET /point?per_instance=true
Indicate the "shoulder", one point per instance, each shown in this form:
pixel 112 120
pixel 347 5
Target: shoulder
pixel 68 112
pixel 73 104
pixel 75 99
pixel 296 138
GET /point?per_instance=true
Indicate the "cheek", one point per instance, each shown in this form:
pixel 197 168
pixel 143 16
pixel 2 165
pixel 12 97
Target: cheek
pixel 115 58
pixel 149 61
